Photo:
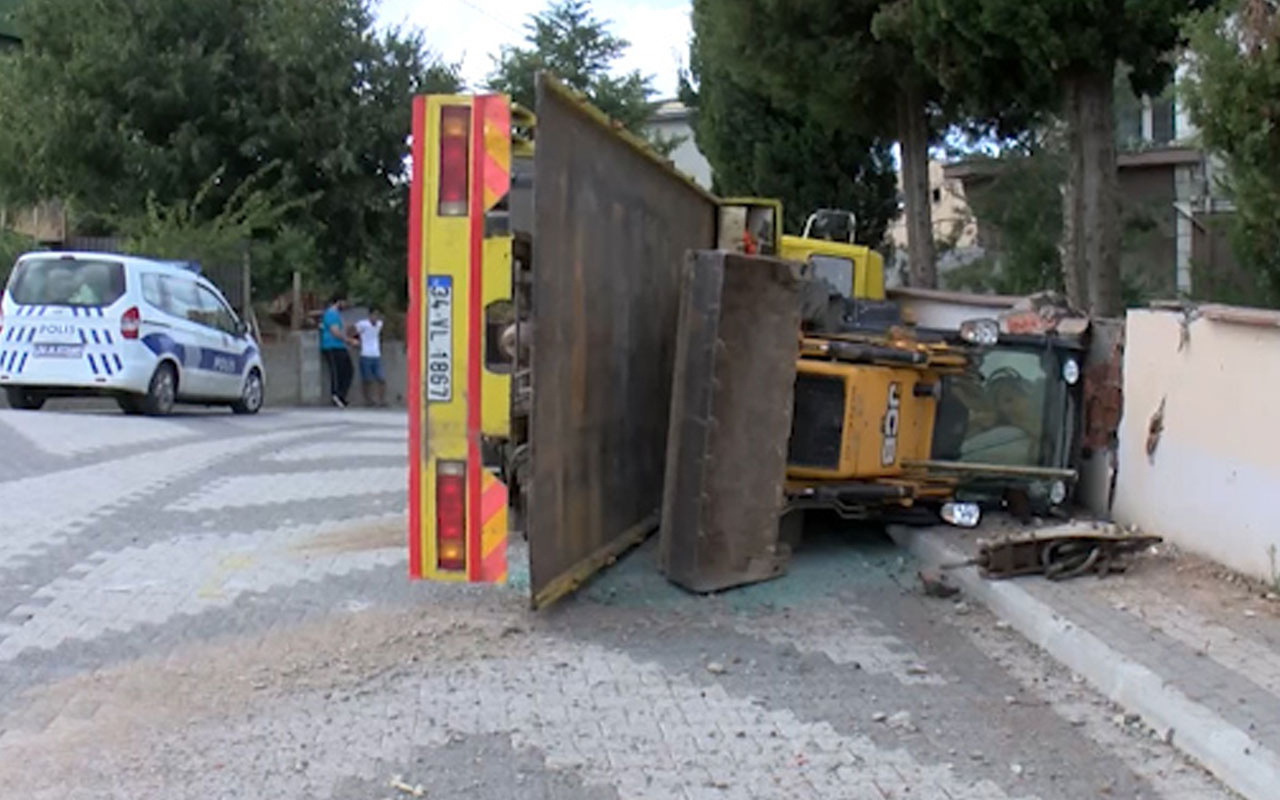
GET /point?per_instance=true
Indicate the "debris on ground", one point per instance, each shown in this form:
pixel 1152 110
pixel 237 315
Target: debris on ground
pixel 935 583
pixel 1061 553
pixel 397 783
pixel 901 721
pixel 716 668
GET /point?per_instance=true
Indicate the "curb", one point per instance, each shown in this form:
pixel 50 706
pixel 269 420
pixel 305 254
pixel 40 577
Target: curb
pixel 1231 754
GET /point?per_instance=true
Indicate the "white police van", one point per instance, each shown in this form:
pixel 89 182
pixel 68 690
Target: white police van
pixel 148 333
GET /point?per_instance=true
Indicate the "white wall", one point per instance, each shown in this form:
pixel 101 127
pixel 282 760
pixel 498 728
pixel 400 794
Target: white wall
pixel 942 310
pixel 1212 483
pixel 674 121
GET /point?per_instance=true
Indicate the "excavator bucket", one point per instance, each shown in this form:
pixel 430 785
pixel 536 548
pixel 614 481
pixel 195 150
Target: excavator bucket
pixel 613 222
pixel 735 370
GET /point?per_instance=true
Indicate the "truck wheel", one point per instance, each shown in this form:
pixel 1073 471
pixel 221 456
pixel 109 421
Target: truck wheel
pixel 250 401
pixel 161 393
pixel 25 399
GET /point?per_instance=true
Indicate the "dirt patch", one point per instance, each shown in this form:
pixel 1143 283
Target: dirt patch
pixel 138 705
pixel 382 535
pixel 1208 587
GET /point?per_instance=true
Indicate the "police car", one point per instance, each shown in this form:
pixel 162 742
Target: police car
pixel 148 333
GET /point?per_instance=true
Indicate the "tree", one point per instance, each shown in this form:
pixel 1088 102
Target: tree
pixel 1019 210
pixel 1047 53
pixel 569 41
pixel 850 65
pixel 12 245
pixel 756 148
pixel 1231 94
pixel 114 105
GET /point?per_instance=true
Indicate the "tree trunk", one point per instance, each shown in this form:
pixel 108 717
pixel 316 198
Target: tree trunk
pixel 1090 204
pixel 913 141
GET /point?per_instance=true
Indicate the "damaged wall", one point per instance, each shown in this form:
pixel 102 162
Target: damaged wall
pixel 1103 403
pixel 1199 449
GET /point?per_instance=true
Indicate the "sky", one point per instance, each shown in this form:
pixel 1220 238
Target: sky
pixel 472 31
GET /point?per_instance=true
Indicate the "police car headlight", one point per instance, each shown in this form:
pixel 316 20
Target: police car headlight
pixel 1057 493
pixel 1071 371
pixel 962 515
pixel 984 332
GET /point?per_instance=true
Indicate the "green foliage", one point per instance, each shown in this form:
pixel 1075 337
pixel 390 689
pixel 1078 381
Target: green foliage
pixel 1017 206
pixel 1020 49
pixel 12 245
pixel 757 149
pixel 116 107
pixel 224 236
pixel 818 58
pixel 1048 54
pixel 1019 209
pixel 569 41
pixel 760 146
pixel 1232 98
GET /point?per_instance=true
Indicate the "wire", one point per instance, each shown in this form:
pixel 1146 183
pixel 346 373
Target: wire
pixel 469 4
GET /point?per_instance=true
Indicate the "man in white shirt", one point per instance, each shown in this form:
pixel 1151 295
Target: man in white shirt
pixel 372 381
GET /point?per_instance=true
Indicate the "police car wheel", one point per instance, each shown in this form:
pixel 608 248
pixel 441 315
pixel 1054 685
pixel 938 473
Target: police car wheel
pixel 130 404
pixel 251 396
pixel 24 399
pixel 161 393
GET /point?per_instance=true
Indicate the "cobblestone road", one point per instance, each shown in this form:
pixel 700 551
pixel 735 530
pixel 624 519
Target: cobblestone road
pixel 210 606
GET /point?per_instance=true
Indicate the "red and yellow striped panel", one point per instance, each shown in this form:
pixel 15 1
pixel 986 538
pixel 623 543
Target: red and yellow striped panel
pixel 494 114
pixel 493 531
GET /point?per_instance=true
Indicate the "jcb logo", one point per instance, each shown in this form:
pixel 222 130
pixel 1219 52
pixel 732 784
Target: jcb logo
pixel 889 428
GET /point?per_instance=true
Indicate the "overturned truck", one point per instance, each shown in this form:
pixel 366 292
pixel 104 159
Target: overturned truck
pixel 617 350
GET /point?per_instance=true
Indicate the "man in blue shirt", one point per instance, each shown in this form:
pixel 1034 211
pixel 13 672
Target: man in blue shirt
pixel 333 347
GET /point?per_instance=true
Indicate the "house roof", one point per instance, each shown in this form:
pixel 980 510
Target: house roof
pixel 1137 159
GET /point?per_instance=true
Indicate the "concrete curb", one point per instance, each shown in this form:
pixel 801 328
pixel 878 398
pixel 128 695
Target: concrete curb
pixel 1231 754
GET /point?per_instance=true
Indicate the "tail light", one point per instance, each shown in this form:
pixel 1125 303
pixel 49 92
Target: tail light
pixel 129 323
pixel 451 515
pixel 455 130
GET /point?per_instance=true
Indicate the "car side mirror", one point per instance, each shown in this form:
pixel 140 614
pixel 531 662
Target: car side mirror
pixel 241 328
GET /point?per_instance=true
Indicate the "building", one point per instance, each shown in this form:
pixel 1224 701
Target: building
pixel 1174 241
pixel 955 230
pixel 953 223
pixel 672 120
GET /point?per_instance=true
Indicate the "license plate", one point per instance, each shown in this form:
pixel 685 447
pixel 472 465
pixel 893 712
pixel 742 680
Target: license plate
pixel 439 378
pixel 54 350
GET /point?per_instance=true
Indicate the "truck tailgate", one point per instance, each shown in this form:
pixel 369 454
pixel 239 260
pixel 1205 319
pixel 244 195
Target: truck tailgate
pixel 613 223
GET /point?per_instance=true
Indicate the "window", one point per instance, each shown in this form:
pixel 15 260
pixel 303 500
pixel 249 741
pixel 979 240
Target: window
pixel 154 291
pixel 67 282
pixel 998 415
pixel 216 314
pixel 1162 117
pixel 937 195
pixel 836 271
pixel 181 299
